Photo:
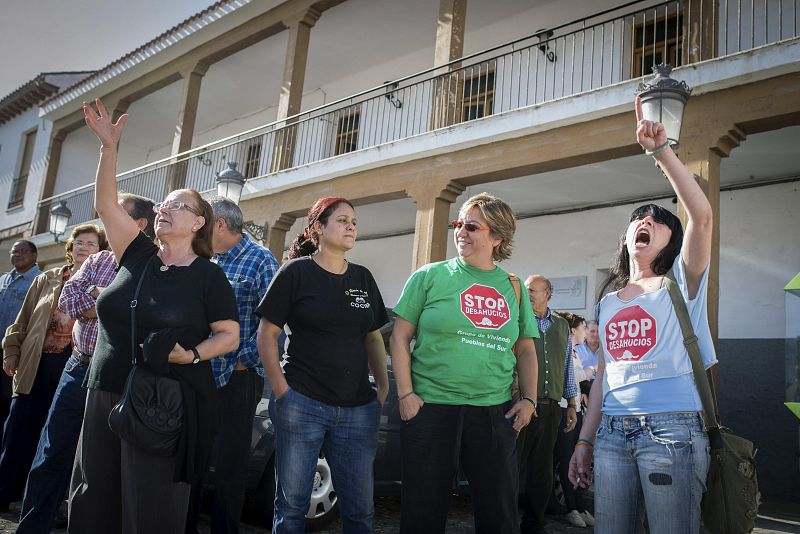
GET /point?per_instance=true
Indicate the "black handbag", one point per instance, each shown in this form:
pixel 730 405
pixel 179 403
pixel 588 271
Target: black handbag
pixel 150 413
pixel 730 503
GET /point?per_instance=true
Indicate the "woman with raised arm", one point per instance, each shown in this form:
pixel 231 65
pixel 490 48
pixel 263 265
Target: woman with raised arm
pixel 115 486
pixel 643 426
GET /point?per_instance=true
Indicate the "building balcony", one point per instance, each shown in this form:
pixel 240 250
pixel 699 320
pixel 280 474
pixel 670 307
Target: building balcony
pixel 585 68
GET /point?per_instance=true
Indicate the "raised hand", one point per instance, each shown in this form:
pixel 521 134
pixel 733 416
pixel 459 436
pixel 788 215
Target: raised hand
pixel 100 123
pixel 650 135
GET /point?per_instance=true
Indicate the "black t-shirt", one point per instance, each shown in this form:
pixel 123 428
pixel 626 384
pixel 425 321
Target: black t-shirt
pixel 328 316
pixel 189 298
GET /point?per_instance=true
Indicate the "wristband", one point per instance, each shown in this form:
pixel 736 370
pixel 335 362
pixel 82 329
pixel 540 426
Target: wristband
pixel 406 395
pixel 585 443
pixel 196 359
pixel 531 401
pixel 658 149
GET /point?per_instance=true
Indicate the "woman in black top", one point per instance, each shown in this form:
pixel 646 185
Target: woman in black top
pixel 323 397
pixel 185 304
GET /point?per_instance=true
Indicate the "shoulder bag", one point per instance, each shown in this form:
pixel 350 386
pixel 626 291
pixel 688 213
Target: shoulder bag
pixel 150 413
pixel 730 503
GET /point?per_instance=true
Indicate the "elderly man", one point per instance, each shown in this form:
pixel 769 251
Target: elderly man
pixel 49 476
pixel 239 375
pixel 556 380
pixel 14 286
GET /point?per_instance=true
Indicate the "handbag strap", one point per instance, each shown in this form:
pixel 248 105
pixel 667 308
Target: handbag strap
pixel 705 385
pixel 134 304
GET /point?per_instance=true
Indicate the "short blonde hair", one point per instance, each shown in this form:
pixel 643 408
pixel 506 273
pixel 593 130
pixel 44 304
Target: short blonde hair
pixel 500 218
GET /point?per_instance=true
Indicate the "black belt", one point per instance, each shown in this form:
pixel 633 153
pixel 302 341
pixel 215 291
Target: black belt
pixel 82 356
pixel 546 400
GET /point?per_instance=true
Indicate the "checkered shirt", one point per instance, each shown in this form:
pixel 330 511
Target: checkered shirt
pixel 250 269
pixel 98 270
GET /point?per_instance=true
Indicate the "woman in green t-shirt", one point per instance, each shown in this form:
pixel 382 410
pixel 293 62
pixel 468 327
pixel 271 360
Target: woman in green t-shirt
pixel 472 325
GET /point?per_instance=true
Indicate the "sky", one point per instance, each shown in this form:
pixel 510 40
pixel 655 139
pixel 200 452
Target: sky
pixel 64 35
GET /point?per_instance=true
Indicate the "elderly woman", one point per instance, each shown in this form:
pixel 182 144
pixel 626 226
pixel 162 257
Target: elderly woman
pixel 117 487
pixel 651 448
pixel 323 396
pixel 472 324
pixel 36 348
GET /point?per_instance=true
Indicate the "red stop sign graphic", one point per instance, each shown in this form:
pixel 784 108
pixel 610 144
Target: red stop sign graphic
pixel 485 307
pixel 630 334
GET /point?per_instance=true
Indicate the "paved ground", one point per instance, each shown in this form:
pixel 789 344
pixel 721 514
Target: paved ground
pixel 774 520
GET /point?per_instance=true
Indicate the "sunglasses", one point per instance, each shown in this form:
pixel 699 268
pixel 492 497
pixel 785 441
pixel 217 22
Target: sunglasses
pixel 471 227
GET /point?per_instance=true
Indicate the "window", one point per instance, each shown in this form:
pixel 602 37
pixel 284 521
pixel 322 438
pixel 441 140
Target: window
pixel 20 183
pixel 347 132
pixel 477 94
pixel 657 41
pixel 253 160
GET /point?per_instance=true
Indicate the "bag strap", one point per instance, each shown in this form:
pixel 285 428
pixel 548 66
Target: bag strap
pixel 705 384
pixel 134 304
pixel 514 279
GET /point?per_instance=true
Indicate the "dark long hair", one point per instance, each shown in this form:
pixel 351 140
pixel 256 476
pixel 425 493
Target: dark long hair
pixel 620 270
pixel 306 243
pixel 201 242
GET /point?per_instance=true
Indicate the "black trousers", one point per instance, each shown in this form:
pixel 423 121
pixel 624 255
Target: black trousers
pixel 118 488
pixel 434 443
pixel 565 446
pixel 5 395
pixel 23 426
pixel 237 406
pixel 538 441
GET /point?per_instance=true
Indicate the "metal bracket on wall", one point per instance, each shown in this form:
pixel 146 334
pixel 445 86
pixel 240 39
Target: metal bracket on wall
pixel 259 233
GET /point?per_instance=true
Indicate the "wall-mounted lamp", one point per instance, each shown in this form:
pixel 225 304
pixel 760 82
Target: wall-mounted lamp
pixel 544 47
pixel 391 87
pixel 663 100
pixel 58 220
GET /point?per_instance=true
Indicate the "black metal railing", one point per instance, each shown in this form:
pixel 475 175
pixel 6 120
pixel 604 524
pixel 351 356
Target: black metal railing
pixel 607 48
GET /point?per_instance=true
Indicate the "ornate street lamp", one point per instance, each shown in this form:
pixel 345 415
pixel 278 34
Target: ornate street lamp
pixel 59 218
pixel 230 183
pixel 663 100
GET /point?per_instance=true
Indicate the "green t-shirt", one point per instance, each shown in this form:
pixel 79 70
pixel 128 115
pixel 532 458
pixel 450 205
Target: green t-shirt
pixel 467 322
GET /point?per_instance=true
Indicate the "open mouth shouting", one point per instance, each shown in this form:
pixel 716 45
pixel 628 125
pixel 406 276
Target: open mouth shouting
pixel 642 238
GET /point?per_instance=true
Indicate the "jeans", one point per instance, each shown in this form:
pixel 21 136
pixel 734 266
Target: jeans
pixel 653 462
pixel 24 425
pixel 348 436
pixel 435 442
pixel 48 479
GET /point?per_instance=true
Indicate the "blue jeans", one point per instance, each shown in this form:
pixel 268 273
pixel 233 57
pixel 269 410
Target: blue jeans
pixel 48 479
pixel 348 436
pixel 656 463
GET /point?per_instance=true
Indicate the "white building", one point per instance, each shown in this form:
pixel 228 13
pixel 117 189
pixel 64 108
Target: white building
pixel 531 100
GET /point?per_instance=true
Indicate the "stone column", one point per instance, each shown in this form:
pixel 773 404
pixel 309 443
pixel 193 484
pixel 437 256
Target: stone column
pixel 431 226
pixel 449 47
pixel 291 94
pixel 278 228
pixel 702 155
pixel 184 125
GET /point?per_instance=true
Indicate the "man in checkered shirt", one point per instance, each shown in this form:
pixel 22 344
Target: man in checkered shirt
pixel 239 375
pixel 49 476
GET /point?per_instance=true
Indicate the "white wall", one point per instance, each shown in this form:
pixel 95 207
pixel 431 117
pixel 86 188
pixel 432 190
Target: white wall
pixel 760 253
pixel 12 137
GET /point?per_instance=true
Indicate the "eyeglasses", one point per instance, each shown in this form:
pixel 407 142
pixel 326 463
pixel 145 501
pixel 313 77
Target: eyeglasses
pixel 471 227
pixel 87 244
pixel 20 252
pixel 174 205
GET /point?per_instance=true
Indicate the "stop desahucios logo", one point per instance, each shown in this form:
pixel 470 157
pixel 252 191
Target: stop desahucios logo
pixel 485 307
pixel 630 334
